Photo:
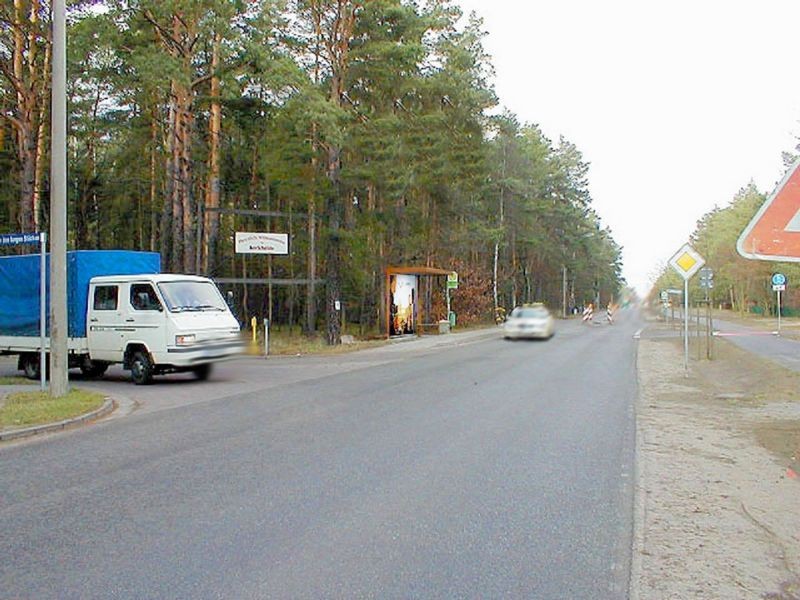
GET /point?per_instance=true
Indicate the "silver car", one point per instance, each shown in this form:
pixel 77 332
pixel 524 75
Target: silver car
pixel 529 321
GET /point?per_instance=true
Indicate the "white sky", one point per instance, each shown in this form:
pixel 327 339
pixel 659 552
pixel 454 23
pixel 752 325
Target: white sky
pixel 676 105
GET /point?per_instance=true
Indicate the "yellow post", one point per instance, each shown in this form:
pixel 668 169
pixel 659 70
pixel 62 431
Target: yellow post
pixel 253 326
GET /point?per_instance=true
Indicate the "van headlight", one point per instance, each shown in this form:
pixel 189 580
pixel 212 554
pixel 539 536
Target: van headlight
pixel 184 340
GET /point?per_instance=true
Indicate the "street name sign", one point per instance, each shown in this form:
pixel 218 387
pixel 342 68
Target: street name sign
pixel 250 242
pixel 686 262
pixel 774 231
pixel 16 239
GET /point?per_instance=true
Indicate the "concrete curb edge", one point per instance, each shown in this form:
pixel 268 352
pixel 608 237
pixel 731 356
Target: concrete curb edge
pixel 106 408
pixel 639 496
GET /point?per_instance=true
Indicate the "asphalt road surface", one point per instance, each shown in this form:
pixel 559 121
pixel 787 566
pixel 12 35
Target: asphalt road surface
pixel 759 340
pixel 482 470
pixel 785 351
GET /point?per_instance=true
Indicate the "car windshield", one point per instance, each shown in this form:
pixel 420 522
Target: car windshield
pixel 191 296
pixel 530 313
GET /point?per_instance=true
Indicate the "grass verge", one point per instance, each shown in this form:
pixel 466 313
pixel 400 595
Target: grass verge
pixel 14 380
pixel 293 345
pixel 23 409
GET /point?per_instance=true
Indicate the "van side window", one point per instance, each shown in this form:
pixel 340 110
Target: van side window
pixel 105 297
pixel 143 297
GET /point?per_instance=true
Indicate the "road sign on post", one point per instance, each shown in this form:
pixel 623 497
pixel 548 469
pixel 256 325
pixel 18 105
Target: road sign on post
pixel 706 279
pixel 778 286
pixel 452 284
pixel 252 242
pixel 686 262
pixel 452 281
pixel 774 231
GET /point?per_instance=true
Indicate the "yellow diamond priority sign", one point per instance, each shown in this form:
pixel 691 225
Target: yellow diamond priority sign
pixel 687 262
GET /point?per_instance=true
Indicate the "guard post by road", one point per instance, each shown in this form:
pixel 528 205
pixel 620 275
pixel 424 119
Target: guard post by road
pixel 686 262
pixel 707 283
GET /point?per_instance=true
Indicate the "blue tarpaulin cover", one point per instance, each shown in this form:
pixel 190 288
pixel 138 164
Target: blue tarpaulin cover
pixel 19 286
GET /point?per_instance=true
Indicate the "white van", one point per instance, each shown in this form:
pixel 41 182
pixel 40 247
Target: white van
pixel 155 324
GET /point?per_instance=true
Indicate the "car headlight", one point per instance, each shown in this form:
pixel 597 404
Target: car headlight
pixel 184 340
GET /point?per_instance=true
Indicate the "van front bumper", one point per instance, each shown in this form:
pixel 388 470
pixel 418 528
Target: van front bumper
pixel 199 353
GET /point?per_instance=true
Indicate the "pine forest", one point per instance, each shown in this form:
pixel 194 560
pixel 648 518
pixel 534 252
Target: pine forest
pixel 366 130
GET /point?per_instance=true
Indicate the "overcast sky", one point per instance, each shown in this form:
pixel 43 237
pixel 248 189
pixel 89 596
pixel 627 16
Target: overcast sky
pixel 676 105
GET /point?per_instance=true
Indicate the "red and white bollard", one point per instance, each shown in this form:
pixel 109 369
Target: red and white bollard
pixel 588 312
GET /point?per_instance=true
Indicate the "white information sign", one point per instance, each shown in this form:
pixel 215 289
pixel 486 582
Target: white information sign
pixel 250 242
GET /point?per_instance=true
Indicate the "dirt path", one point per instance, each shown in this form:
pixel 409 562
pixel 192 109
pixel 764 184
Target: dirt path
pixel 718 508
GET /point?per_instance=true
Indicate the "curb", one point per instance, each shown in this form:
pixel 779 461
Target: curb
pixel 15 434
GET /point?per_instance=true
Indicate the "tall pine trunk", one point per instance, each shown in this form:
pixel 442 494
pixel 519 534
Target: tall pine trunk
pixel 211 217
pixel 153 183
pixel 179 180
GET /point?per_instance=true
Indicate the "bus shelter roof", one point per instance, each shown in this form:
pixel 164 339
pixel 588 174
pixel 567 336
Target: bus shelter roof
pixel 416 271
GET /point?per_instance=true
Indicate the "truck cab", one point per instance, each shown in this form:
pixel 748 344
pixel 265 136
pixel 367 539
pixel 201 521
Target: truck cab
pixel 159 323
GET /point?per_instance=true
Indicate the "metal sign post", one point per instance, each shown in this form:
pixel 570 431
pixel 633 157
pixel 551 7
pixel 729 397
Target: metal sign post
pixel 686 262
pixel 707 283
pixel 19 239
pixel 686 327
pixel 779 285
pixel 452 284
pixel 42 312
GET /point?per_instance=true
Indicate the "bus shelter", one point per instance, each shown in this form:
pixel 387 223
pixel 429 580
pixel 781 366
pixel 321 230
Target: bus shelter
pixel 405 312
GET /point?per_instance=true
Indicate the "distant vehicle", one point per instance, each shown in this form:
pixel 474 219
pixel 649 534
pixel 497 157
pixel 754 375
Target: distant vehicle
pixel 529 321
pixel 121 310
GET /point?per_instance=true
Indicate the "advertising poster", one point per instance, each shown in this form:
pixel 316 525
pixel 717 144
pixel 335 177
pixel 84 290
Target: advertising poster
pixel 403 297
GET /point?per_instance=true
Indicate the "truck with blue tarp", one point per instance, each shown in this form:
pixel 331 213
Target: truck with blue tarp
pixel 121 309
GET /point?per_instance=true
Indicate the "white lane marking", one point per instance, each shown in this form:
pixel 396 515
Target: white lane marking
pixel 638 334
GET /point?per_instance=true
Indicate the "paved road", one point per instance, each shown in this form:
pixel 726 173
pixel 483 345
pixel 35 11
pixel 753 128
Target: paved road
pixel 757 339
pixel 782 350
pixel 484 470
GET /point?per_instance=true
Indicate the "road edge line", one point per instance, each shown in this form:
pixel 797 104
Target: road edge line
pixel 639 506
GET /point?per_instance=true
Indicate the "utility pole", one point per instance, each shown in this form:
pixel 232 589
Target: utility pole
pixel 564 293
pixel 59 384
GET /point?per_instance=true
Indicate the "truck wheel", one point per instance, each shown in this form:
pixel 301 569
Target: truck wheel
pixel 93 370
pixel 141 368
pixel 30 366
pixel 202 372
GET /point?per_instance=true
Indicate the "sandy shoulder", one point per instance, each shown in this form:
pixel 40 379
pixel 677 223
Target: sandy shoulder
pixel 716 514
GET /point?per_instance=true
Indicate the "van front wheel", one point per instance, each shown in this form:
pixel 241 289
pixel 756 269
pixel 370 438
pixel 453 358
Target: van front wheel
pixel 141 368
pixel 93 370
pixel 202 372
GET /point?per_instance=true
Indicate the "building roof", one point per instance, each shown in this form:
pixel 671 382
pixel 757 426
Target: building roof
pixel 416 271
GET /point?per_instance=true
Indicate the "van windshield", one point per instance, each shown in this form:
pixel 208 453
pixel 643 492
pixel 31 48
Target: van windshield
pixel 182 296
